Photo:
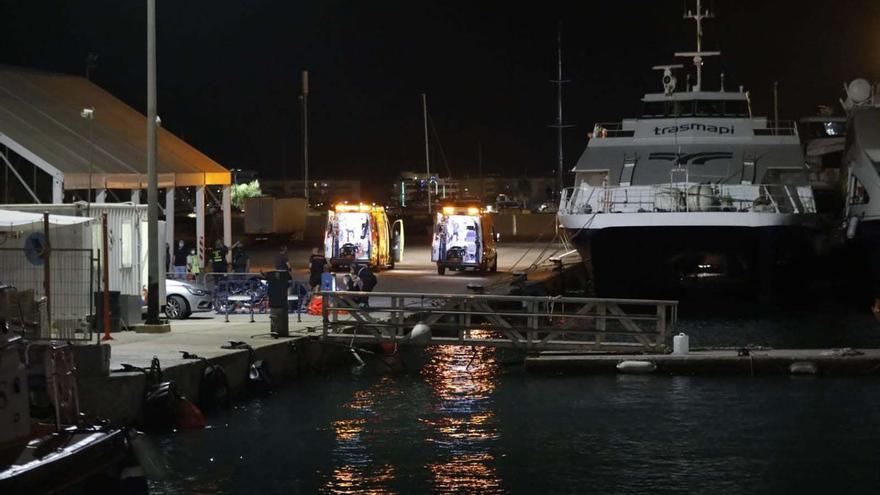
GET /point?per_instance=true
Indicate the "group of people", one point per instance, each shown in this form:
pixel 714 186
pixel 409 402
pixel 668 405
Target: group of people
pixel 185 262
pixel 360 277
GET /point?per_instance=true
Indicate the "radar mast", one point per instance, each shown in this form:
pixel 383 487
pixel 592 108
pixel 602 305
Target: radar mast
pixel 698 16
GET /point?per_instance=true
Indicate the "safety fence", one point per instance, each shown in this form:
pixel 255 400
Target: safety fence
pixel 48 294
pixel 527 323
pixel 248 293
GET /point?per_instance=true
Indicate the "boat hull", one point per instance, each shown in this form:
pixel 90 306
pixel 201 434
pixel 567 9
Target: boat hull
pixel 681 261
pixel 67 459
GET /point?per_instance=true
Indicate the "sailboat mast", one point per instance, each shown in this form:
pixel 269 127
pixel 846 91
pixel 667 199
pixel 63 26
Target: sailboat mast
pixel 559 81
pixel 427 153
pixel 559 111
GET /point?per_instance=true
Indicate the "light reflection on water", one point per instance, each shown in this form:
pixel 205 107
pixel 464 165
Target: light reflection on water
pixel 462 422
pixel 454 417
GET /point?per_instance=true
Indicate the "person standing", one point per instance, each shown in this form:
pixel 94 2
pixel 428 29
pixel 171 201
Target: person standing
pixel 180 255
pixel 281 260
pixel 240 260
pixel 218 260
pixel 193 266
pixel 316 268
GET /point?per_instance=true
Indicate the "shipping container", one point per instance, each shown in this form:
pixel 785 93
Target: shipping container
pixel 267 216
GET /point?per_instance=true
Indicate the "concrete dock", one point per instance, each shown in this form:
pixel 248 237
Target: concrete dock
pixel 852 362
pixel 118 396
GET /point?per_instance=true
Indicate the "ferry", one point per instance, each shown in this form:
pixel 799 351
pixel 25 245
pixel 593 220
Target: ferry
pixel 695 192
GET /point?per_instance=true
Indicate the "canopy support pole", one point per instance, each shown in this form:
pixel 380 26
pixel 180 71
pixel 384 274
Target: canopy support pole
pixel 227 218
pixel 200 223
pixel 169 217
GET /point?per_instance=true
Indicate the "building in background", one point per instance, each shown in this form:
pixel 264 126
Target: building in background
pixel 322 192
pixel 410 190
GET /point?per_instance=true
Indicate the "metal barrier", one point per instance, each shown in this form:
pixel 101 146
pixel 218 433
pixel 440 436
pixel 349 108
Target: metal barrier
pixel 247 293
pixel 527 323
pixel 49 297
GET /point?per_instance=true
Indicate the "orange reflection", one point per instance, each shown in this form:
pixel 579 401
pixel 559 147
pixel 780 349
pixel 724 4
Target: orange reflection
pixel 463 379
pixel 358 472
pixel 355 479
pixel 348 430
pixel 469 473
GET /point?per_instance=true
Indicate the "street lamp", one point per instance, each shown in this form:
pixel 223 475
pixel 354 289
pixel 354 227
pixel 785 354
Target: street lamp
pixel 89 114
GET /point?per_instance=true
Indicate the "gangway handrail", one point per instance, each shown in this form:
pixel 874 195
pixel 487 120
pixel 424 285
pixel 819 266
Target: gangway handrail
pixel 526 322
pixel 502 297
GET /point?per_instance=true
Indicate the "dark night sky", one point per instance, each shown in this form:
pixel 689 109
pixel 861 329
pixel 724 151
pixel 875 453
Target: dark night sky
pixel 229 70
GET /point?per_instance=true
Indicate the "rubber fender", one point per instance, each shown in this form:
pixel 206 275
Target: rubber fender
pixel 636 367
pixel 259 378
pixel 214 388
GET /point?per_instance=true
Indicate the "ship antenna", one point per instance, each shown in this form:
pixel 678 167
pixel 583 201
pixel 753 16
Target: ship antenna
pixel 698 16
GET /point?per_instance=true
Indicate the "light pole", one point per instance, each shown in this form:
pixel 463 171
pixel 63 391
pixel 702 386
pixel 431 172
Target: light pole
pixel 152 179
pixel 89 114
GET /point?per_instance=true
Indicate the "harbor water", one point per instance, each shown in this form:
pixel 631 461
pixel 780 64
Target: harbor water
pixel 467 424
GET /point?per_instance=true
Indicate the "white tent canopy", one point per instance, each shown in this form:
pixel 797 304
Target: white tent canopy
pixel 19 219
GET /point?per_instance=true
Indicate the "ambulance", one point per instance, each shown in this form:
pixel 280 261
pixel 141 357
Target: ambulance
pixel 464 237
pixel 361 233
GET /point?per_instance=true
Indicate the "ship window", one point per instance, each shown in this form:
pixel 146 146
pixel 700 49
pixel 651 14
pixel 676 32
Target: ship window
pixel 736 108
pixel 667 109
pixel 654 109
pixel 712 108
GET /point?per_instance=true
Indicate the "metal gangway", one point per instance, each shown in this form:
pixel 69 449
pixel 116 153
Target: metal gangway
pixel 519 322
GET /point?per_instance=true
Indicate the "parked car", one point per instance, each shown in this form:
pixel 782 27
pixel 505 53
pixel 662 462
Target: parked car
pixel 184 298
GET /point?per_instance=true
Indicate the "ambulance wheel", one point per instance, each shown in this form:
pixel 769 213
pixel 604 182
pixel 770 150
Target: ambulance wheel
pixel 441 270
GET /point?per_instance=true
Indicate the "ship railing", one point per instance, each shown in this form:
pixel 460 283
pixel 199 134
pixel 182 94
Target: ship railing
pixel 779 128
pixel 688 197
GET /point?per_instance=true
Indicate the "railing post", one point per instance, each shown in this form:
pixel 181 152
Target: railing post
pixel 661 325
pixel 325 304
pixel 600 323
pixel 226 285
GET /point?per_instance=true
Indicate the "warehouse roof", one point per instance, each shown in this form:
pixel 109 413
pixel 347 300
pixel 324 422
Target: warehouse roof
pixel 40 119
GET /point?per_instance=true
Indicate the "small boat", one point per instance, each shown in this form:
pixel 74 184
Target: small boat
pixel 38 456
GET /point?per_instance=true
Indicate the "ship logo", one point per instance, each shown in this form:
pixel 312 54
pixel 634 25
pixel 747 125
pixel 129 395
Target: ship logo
pixel 691 158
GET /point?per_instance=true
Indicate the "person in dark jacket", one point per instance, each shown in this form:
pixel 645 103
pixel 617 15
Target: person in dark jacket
pixel 218 259
pixel 281 261
pixel 316 268
pixel 180 255
pixel 365 280
pixel 240 261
